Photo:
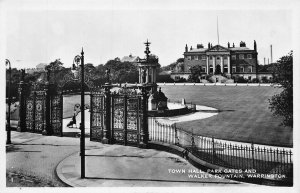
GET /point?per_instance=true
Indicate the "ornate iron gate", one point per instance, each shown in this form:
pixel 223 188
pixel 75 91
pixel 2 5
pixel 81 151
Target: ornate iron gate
pixel 40 108
pixel 97 120
pixel 118 117
pixel 35 110
pixel 57 114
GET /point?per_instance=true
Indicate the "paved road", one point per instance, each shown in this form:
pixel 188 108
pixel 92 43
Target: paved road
pixel 37 155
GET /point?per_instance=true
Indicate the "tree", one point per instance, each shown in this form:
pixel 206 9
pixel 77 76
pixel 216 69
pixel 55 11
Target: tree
pixel 122 71
pixel 55 65
pixel 282 104
pixel 195 73
pixel 172 65
pixel 180 60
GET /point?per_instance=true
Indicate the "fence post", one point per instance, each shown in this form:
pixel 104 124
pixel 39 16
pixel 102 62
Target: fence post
pixel 213 150
pixel 252 149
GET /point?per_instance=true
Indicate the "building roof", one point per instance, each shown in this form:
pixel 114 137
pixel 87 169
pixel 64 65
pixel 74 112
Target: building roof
pixel 41 66
pixel 218 48
pixel 130 58
pixel 198 50
pixel 239 48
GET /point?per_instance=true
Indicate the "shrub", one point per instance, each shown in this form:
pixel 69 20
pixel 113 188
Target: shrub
pixel 254 80
pixel 241 79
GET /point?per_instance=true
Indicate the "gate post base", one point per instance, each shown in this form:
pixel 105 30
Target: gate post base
pixel 46 133
pixel 143 145
pixel 19 129
pixel 105 141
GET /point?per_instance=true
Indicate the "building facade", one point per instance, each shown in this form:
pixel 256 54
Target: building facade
pixel 230 61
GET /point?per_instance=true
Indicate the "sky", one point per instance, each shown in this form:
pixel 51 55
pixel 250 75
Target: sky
pixel 39 32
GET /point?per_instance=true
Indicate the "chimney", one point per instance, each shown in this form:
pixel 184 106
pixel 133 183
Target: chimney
pixel 191 48
pixel 186 48
pixel 211 45
pixel 242 44
pixel 228 44
pixel 264 61
pixel 208 45
pixel 271 54
pixel 199 46
pixel 255 45
pixel 268 61
pixel 233 45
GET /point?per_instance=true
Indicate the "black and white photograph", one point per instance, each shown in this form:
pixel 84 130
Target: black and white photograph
pixel 149 96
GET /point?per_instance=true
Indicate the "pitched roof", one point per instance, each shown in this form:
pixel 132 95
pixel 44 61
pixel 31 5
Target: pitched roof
pixel 239 48
pixel 198 50
pixel 41 65
pixel 130 58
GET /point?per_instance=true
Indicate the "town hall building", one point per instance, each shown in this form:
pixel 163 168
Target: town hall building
pixel 231 61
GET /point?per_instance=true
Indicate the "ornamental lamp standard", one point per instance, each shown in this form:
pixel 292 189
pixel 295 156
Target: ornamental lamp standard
pixel 75 71
pixel 8 129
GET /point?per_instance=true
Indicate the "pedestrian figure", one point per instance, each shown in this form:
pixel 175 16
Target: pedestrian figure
pixel 73 121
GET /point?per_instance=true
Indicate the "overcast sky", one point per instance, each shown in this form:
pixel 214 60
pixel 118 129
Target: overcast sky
pixel 42 34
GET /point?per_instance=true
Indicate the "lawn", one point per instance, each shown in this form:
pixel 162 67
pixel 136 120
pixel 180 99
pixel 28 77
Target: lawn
pixel 244 115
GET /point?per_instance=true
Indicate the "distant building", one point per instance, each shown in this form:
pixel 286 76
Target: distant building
pixel 230 61
pixel 130 58
pixel 39 68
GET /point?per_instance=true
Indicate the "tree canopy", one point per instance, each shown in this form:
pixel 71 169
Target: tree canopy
pixel 282 104
pixel 195 73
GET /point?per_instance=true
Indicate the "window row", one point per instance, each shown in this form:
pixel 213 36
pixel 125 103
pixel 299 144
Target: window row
pixel 233 57
pixel 241 56
pixel 242 69
pixel 203 57
pixel 234 69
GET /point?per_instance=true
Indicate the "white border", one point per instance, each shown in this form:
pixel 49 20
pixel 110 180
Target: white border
pixel 292 5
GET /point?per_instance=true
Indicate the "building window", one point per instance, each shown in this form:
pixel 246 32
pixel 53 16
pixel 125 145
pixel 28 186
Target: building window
pixel 225 69
pixel 195 57
pixel 218 57
pixel 249 56
pixel 211 69
pixel 241 56
pixel 233 57
pixel 203 69
pixel 241 69
pixel 210 57
pixel 233 69
pixel 250 68
pixel 203 57
pixel 189 57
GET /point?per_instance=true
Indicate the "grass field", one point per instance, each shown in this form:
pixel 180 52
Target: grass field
pixel 244 115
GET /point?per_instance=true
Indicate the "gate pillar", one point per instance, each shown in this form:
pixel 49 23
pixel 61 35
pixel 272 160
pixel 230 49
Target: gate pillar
pixel 107 128
pixel 47 128
pixel 22 106
pixel 144 130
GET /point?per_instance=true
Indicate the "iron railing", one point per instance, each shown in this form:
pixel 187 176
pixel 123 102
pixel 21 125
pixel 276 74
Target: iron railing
pixel 227 154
